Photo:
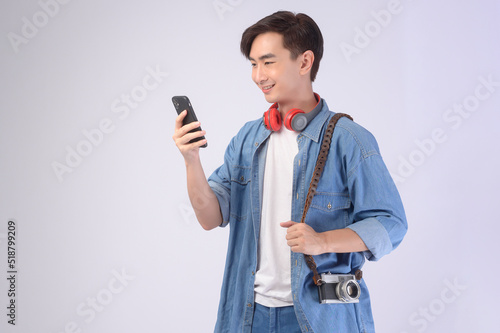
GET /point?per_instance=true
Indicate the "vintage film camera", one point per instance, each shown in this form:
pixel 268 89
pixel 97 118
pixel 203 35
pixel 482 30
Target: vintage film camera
pixel 339 288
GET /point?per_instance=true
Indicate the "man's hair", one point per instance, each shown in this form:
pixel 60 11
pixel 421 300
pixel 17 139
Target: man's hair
pixel 300 33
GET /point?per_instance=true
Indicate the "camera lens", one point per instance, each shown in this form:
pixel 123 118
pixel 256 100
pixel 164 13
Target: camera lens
pixel 348 291
pixel 352 290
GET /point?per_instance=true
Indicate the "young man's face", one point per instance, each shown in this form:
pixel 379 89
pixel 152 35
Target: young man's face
pixel 273 70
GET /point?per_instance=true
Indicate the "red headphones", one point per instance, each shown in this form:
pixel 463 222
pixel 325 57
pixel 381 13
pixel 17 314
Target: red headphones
pixel 295 119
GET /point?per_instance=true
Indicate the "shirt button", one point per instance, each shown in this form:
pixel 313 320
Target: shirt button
pixel 256 144
pixel 329 205
pixel 249 305
pixel 242 178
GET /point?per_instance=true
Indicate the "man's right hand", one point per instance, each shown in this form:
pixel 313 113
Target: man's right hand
pixel 190 151
pixel 203 199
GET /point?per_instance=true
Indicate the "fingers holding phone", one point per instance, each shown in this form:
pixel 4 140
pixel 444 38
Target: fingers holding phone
pixel 188 135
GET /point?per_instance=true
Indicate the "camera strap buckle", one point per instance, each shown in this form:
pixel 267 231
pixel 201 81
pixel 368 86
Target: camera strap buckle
pixel 358 274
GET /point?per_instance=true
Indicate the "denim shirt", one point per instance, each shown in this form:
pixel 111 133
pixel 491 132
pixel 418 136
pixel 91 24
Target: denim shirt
pixel 355 191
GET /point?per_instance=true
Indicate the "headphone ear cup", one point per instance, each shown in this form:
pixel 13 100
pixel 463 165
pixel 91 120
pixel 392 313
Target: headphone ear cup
pixel 272 119
pixel 289 118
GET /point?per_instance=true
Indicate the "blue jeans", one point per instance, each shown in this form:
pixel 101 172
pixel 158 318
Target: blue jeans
pixel 274 320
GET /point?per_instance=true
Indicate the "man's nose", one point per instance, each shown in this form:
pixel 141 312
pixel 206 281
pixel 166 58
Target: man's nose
pixel 260 74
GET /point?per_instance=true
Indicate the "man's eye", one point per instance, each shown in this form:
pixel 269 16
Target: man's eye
pixel 268 63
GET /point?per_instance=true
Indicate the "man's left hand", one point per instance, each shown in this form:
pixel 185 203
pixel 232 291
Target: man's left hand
pixel 303 239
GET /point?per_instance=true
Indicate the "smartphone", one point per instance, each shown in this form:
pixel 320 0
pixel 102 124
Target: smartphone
pixel 182 103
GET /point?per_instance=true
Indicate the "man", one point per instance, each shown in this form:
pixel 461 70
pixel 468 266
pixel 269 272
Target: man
pixel 261 188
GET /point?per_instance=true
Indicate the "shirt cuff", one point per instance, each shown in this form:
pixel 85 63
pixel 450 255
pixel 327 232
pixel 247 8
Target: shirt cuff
pixel 375 237
pixel 223 198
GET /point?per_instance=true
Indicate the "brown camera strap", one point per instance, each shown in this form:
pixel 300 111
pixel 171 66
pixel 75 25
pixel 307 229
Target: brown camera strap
pixel 318 170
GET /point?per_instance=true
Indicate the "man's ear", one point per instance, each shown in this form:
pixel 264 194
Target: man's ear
pixel 307 60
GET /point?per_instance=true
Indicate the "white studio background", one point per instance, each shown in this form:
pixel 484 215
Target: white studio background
pixel 105 237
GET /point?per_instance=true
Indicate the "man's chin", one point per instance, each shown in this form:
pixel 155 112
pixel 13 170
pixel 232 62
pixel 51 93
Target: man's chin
pixel 270 98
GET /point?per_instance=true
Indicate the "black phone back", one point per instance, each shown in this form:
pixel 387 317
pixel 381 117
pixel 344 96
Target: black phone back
pixel 182 103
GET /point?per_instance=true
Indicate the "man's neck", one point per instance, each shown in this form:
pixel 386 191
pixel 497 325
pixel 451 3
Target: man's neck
pixel 305 101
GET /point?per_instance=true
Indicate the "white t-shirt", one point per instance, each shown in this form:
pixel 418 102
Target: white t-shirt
pixel 272 279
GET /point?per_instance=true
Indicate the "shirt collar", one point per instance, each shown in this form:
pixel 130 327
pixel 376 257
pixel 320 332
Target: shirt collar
pixel 313 129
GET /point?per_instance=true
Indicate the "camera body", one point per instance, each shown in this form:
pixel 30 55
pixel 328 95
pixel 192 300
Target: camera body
pixel 338 288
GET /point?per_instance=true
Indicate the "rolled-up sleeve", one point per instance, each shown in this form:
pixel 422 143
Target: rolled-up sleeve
pixel 378 213
pixel 222 194
pixel 220 182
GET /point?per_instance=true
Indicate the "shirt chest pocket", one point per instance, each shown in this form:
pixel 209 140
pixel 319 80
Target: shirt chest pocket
pixel 240 192
pixel 329 211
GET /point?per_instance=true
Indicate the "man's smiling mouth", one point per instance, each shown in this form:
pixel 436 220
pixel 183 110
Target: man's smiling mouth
pixel 267 88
